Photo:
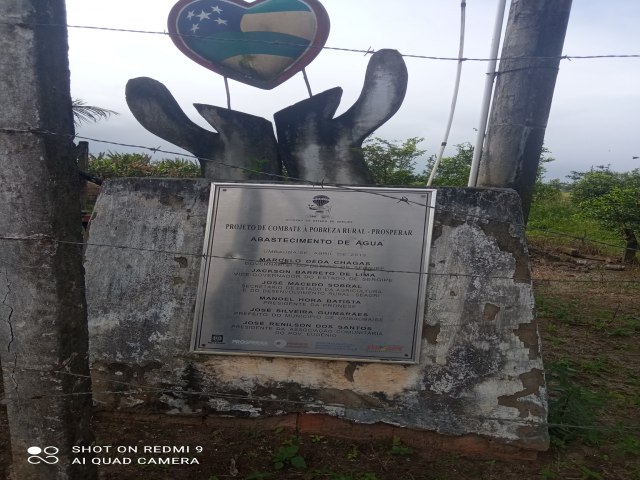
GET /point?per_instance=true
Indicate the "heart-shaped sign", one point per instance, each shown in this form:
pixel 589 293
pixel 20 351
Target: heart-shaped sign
pixel 262 43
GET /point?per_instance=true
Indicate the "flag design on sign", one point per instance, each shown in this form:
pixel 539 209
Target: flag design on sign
pixel 259 43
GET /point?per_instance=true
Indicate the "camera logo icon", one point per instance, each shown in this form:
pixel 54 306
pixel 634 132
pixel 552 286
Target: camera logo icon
pixel 49 457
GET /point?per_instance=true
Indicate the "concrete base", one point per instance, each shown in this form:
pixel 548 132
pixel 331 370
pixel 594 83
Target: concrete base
pixel 480 374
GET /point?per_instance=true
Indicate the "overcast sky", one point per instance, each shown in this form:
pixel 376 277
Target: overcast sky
pixel 595 118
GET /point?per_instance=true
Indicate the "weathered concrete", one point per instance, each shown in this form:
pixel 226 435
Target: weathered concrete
pixel 531 54
pixel 480 370
pixel 314 146
pixel 43 329
pixel 311 143
pixel 244 148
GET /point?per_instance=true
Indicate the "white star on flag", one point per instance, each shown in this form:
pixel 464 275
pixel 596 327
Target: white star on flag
pixel 203 15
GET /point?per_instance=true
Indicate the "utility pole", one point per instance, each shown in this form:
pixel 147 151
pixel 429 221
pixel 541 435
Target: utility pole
pixel 522 99
pixel 43 319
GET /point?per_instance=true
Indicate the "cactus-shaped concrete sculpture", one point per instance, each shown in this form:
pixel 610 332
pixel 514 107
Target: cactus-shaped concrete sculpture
pixel 315 146
pixel 312 145
pixel 245 143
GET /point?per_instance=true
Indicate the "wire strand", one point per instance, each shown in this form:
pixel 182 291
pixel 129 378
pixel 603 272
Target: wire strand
pixel 285 263
pixel 338 49
pixel 320 184
pixel 137 389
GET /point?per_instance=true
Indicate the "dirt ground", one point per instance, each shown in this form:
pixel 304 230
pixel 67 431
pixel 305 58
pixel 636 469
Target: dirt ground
pixel 590 324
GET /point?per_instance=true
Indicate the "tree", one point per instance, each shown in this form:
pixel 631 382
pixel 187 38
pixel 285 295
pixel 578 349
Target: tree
pixel 393 164
pixel 87 113
pixel 390 163
pixel 545 190
pixel 453 171
pixel 612 199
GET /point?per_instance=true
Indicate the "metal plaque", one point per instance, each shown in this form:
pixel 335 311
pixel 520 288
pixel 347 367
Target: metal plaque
pixel 299 271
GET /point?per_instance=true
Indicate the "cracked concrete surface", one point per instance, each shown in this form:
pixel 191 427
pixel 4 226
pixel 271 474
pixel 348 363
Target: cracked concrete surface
pixel 478 371
pixel 10 327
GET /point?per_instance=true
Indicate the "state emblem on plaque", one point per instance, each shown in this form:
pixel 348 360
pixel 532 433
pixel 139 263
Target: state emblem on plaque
pixel 320 206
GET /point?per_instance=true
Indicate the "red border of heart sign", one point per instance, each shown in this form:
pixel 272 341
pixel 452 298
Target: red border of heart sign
pixel 182 38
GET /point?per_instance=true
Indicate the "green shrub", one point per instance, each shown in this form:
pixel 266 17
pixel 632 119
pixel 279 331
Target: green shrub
pixel 111 165
pixel 557 220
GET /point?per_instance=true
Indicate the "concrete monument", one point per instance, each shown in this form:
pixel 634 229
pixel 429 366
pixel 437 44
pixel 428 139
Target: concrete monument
pixel 478 379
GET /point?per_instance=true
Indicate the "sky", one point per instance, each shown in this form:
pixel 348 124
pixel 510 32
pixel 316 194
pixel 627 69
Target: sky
pixel 595 115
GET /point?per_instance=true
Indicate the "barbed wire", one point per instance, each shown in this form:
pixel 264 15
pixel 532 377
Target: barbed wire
pixel 316 183
pixel 339 49
pixel 311 404
pixel 288 263
pixel 583 238
pixel 320 183
pixel 360 51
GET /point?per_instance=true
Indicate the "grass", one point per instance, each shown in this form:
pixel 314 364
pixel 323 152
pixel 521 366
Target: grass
pixel 562 216
pixel 288 455
pixel 573 409
pixel 591 352
pixel 295 456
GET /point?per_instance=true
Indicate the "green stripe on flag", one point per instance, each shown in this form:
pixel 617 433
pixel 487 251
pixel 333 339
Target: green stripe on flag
pixel 231 44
